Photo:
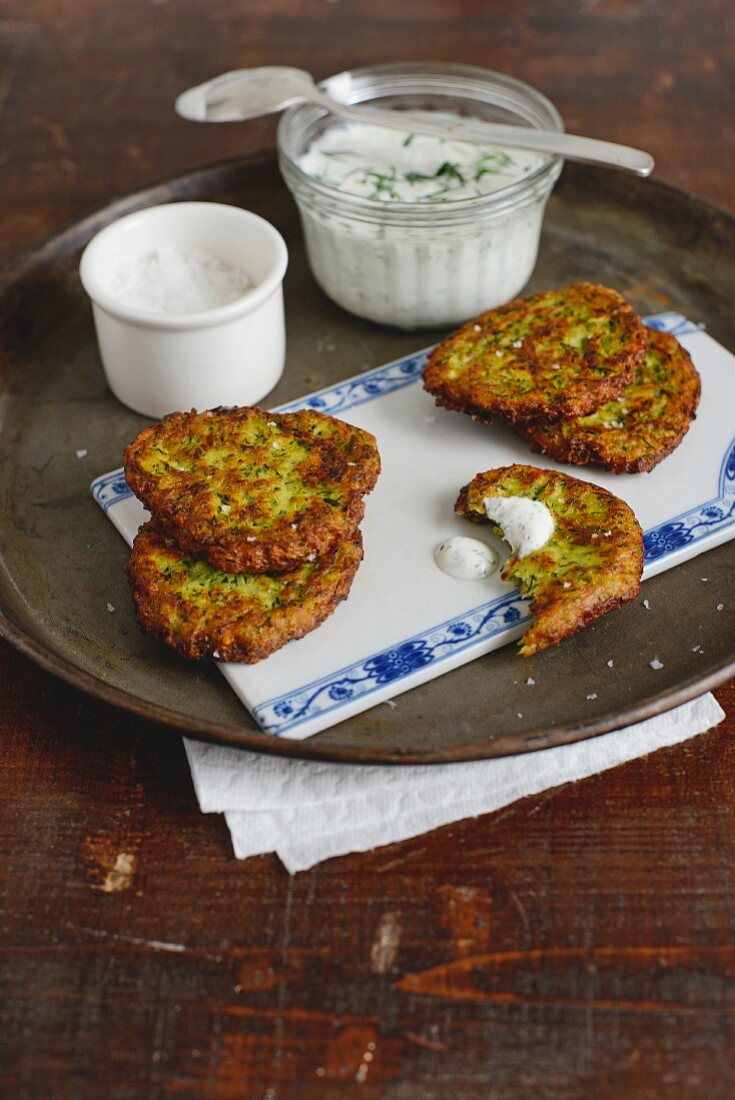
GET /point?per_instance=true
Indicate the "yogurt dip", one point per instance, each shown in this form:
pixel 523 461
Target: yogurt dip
pixel 465 558
pixel 417 231
pixel 527 525
pixel 392 166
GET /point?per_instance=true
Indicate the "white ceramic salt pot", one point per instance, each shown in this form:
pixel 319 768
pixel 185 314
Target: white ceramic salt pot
pixel 157 363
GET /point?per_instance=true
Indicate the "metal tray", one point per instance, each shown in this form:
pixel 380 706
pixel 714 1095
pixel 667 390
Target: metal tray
pixel 61 563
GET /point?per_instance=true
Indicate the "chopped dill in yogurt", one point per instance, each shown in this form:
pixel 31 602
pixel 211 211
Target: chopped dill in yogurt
pixel 374 162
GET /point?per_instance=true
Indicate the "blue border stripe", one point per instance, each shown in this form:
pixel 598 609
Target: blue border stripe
pixel 365 677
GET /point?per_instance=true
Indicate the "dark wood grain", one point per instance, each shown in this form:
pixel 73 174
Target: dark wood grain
pixel 578 944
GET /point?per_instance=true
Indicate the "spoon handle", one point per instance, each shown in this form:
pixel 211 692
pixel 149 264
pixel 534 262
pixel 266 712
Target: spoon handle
pixel 569 146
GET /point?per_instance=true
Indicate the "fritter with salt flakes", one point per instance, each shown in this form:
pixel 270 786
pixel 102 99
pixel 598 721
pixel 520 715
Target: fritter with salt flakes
pixel 639 428
pixel 201 612
pixel 559 353
pixel 253 491
pixel 591 564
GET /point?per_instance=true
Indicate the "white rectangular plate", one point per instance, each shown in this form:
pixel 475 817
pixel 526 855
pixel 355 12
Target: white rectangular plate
pixel 406 622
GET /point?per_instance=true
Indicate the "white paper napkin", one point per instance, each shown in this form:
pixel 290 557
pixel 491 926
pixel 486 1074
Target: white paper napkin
pixel 308 811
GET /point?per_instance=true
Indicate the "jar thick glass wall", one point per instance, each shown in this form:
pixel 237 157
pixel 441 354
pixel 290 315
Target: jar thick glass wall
pixel 418 265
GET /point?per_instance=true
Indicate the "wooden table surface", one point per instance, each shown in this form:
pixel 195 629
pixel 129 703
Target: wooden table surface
pixel 578 944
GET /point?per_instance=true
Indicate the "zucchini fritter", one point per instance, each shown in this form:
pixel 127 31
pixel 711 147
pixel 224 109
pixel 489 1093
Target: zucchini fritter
pixel 592 562
pixel 253 491
pixel 200 611
pixel 639 428
pixel 559 353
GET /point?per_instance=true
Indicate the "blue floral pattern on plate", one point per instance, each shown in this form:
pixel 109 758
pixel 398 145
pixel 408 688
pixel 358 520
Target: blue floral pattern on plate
pixel 110 489
pixel 365 387
pixel 693 525
pixel 673 323
pixel 435 645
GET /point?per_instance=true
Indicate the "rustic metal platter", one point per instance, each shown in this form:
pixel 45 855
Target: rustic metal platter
pixel 61 563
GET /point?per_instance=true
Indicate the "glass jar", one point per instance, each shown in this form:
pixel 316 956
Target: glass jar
pixel 412 264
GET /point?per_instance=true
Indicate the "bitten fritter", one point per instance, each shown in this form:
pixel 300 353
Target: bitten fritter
pixel 639 428
pixel 253 491
pixel 591 564
pixel 204 612
pixel 559 353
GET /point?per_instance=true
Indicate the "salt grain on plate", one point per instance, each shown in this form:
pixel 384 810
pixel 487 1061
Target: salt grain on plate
pixel 720 607
pixel 110 608
pixel 530 680
pixel 610 663
pixel 592 695
pixel 81 454
pixel 647 605
pixel 167 280
pixel 656 664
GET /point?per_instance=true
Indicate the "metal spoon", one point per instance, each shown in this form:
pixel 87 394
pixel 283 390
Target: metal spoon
pixel 249 93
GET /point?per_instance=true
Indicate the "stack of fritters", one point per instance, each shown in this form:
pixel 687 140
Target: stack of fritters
pixel 575 372
pixel 254 538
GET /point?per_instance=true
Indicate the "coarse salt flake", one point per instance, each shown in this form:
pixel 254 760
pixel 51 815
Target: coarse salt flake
pixel 656 664
pixel 610 663
pixel 647 605
pixel 110 607
pixel 592 695
pixel 530 680
pixel 82 454
pixel 169 280
pixel 720 607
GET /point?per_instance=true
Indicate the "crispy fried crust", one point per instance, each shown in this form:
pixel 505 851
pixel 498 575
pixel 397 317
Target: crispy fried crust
pixel 592 562
pixel 559 353
pixel 201 612
pixel 639 428
pixel 253 491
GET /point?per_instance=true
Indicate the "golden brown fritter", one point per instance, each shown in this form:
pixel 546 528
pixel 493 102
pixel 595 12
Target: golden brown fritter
pixel 592 562
pixel 639 428
pixel 253 491
pixel 559 353
pixel 201 612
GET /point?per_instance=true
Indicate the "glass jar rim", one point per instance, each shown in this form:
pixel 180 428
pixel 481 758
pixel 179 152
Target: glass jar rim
pixel 389 75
